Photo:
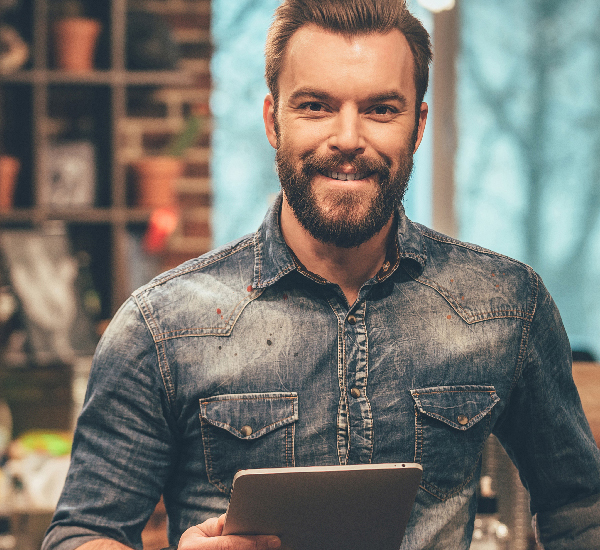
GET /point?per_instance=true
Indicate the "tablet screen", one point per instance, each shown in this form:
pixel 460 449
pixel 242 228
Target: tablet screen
pixel 356 507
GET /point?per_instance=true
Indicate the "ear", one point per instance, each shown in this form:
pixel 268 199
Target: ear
pixel 269 119
pixel 422 122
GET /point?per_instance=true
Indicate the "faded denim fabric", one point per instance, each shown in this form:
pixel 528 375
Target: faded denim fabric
pixel 238 360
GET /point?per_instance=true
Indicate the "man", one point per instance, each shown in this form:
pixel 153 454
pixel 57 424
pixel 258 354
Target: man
pixel 340 332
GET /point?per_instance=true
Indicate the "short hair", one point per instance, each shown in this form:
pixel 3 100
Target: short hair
pixel 347 17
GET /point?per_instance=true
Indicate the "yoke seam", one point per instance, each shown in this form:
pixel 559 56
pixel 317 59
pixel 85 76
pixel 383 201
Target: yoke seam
pixel 195 267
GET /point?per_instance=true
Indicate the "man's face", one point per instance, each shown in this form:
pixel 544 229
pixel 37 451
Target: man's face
pixel 344 130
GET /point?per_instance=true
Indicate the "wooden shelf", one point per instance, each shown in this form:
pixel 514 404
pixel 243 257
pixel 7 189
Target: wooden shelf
pixel 76 215
pixel 34 102
pixel 107 77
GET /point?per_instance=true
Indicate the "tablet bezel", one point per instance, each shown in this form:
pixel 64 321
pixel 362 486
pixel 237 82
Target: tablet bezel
pixel 355 507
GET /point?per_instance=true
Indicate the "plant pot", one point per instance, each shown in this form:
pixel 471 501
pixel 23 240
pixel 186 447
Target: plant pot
pixel 156 178
pixel 9 170
pixel 75 40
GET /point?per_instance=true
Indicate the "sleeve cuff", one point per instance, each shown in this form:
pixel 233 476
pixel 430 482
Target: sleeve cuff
pixel 571 527
pixel 68 538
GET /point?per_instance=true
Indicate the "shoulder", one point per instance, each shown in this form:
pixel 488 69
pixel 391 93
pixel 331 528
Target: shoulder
pixel 225 266
pixel 200 293
pixel 477 282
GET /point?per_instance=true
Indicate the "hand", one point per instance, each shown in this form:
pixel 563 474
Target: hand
pixel 207 536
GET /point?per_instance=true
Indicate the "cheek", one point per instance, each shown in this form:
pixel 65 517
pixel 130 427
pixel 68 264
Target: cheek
pixel 389 140
pixel 299 143
pixel 393 156
pixel 304 135
pixel 401 146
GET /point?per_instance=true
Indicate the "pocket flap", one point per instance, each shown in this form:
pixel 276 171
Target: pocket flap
pixel 458 406
pixel 250 415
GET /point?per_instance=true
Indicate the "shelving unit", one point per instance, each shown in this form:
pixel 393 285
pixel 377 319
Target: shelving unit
pixel 36 100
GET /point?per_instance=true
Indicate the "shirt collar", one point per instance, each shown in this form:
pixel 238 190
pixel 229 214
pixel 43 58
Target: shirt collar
pixel 273 259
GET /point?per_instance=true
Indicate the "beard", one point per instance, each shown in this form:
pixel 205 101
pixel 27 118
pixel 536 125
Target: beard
pixel 349 218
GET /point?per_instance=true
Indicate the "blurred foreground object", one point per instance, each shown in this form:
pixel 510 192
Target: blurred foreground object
pixel 36 470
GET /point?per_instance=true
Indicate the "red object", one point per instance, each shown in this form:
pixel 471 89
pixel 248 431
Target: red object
pixel 161 225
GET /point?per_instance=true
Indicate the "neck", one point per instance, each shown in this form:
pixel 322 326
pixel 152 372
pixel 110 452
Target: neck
pixel 349 268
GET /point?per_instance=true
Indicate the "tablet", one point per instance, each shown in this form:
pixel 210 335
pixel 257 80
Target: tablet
pixel 357 507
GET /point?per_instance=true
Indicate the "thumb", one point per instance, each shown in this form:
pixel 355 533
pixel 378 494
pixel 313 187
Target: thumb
pixel 207 536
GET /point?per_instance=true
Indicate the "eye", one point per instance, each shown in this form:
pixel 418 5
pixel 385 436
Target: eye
pixel 313 109
pixel 383 110
pixel 312 106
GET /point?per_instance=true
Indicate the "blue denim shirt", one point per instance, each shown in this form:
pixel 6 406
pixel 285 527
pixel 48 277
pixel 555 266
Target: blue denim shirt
pixel 239 360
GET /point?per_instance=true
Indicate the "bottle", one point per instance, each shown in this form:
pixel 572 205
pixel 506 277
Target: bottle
pixel 7 541
pixel 489 532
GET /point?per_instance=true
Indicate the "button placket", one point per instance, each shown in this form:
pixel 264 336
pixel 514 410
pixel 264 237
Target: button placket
pixel 356 357
pixel 340 311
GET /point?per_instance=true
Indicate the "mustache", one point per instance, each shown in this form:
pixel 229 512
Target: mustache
pixel 313 163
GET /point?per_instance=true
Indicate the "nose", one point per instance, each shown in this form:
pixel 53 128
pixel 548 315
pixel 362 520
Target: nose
pixel 347 134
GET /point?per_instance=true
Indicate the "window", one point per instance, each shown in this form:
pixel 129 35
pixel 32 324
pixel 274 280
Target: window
pixel 528 160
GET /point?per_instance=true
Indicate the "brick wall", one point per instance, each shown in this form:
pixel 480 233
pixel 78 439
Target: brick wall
pixel 155 116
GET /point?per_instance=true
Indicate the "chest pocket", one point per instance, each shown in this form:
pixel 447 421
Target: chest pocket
pixel 251 430
pixel 452 424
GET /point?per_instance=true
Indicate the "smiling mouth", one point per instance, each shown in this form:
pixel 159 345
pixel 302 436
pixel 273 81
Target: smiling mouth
pixel 345 177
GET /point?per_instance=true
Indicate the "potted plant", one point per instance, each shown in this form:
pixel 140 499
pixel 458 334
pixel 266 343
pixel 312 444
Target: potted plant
pixel 156 175
pixel 74 36
pixel 9 170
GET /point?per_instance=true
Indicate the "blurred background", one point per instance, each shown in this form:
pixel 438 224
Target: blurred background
pixel 146 148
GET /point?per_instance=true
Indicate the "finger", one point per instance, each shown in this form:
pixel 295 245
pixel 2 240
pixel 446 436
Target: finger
pixel 221 524
pixel 212 527
pixel 189 541
pixel 254 542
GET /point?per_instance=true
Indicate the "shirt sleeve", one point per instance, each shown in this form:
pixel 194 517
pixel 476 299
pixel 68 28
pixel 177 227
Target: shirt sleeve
pixel 546 434
pixel 575 525
pixel 123 445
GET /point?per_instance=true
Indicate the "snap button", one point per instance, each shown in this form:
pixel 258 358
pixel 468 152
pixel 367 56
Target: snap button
pixel 352 319
pixel 462 419
pixel 355 392
pixel 246 431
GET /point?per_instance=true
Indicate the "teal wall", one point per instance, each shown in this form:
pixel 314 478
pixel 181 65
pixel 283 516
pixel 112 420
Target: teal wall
pixel 242 166
pixel 528 163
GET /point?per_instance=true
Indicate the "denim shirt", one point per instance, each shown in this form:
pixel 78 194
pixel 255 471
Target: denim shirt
pixel 239 360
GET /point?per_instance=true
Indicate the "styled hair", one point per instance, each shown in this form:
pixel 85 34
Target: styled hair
pixel 347 17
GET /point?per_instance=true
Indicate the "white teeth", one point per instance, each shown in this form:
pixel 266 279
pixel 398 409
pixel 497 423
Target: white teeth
pixel 345 177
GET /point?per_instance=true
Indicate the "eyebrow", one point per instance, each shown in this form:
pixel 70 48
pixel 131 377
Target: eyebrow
pixel 389 96
pixel 309 92
pixel 313 93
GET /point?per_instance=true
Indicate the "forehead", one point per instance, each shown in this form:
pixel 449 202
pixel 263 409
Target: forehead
pixel 371 62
